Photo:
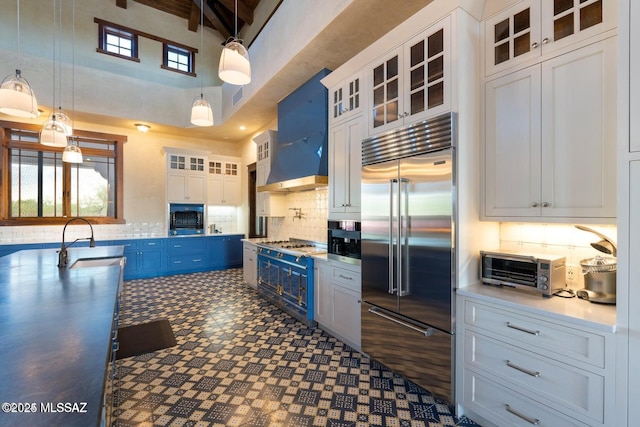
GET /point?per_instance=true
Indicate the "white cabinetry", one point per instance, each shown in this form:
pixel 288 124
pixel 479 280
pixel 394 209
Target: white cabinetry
pixel 550 138
pixel 345 99
pixel 534 368
pixel 267 204
pixel 411 82
pixel 534 28
pixel 345 162
pixel 337 294
pixel 186 178
pixel 250 264
pixel 223 182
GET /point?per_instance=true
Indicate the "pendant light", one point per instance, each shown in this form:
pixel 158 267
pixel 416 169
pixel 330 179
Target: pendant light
pixel 201 114
pixel 16 96
pixel 72 152
pixel 234 67
pixel 56 129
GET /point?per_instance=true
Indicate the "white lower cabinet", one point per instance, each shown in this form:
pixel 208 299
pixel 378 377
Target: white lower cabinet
pixel 534 368
pixel 337 296
pixel 250 264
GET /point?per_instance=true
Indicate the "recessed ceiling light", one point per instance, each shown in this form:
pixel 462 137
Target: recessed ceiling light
pixel 142 127
pixel 243 128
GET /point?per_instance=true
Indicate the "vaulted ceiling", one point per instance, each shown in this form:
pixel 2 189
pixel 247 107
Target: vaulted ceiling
pixel 218 14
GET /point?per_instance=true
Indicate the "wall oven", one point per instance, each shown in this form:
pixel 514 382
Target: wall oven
pixel 186 219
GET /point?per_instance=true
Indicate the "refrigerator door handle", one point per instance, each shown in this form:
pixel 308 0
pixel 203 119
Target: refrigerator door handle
pixel 392 282
pixel 426 332
pixel 403 219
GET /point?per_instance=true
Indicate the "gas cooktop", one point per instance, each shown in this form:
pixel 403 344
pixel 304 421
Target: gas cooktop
pixel 293 246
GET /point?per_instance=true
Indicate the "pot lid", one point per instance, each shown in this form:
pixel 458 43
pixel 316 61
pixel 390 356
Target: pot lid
pixel 599 264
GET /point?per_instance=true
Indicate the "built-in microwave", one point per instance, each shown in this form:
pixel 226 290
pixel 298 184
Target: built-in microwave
pixel 541 273
pixel 185 219
pixel 343 241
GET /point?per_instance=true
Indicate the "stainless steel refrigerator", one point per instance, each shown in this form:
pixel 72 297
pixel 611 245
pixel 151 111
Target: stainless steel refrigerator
pixel 408 254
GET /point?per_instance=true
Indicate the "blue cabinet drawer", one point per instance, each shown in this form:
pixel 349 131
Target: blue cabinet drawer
pixel 187 245
pixel 187 262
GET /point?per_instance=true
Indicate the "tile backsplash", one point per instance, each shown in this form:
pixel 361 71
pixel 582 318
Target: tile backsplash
pixel 313 208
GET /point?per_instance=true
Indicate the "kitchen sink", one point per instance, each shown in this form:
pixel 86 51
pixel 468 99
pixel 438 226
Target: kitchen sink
pixel 97 262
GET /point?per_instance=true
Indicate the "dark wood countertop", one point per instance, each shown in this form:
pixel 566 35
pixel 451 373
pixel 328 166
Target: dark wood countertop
pixel 55 332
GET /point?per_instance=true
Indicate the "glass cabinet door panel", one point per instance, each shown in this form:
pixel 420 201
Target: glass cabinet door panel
pixel 436 95
pixel 354 94
pixel 417 54
pixel 590 15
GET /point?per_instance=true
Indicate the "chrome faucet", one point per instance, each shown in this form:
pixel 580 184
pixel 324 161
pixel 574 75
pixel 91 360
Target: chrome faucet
pixel 63 257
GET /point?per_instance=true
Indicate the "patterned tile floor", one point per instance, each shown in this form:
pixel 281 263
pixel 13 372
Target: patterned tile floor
pixel 242 362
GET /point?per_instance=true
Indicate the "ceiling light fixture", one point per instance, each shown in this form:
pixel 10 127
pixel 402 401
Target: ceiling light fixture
pixel 57 128
pixel 142 127
pixel 72 152
pixel 201 114
pixel 16 96
pixel 234 67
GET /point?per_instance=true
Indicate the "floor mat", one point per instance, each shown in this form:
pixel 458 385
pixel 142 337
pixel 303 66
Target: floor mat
pixel 144 338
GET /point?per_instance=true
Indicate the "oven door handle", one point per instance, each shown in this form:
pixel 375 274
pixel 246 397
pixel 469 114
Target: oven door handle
pixel 283 261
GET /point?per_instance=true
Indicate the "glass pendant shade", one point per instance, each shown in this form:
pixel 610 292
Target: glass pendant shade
pixel 201 114
pixel 72 154
pixel 53 133
pixel 16 97
pixel 234 67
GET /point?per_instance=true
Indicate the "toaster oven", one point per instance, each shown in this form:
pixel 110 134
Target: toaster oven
pixel 541 273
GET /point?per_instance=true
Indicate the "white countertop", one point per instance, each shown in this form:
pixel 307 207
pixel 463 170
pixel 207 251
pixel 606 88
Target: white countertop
pixel 572 310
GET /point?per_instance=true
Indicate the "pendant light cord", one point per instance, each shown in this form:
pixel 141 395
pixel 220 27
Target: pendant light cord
pixel 73 69
pixel 59 57
pixel 18 29
pixel 236 13
pixel 53 103
pixel 201 44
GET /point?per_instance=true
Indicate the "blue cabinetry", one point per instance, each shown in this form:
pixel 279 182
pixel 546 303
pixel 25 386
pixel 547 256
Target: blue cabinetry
pixel 166 255
pixel 145 257
pixel 225 252
pixel 187 254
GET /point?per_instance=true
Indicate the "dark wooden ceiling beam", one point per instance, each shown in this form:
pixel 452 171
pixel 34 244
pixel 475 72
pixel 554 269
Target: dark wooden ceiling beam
pixel 213 18
pixel 194 17
pixel 245 13
pixel 121 3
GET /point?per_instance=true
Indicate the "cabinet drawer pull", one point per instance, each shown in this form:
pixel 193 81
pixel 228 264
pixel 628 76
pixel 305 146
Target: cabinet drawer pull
pixel 530 420
pixel 519 328
pixel 197 260
pixel 521 369
pixel 345 277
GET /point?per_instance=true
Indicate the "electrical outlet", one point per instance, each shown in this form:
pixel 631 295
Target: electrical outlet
pixel 572 275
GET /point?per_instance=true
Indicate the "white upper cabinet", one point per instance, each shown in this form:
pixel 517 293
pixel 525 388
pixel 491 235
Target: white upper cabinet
pixel 550 138
pixel 534 28
pixel 345 163
pixel 186 178
pixel 345 99
pixel 267 204
pixel 223 182
pixel 411 82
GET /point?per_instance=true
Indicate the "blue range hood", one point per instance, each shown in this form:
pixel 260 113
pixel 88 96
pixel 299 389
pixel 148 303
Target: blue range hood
pixel 299 157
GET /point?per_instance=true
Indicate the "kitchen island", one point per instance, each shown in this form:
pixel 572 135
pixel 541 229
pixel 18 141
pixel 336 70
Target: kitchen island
pixel 56 328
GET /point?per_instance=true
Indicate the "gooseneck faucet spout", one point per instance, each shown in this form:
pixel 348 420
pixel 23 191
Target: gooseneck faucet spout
pixel 63 257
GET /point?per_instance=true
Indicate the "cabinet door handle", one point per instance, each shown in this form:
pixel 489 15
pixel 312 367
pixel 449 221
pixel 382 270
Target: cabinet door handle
pixel 521 369
pixel 534 204
pixel 518 414
pixel 534 45
pixel 546 204
pixel 520 328
pixel 545 40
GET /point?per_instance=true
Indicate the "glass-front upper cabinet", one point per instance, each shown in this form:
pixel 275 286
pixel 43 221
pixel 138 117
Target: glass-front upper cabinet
pixel 532 28
pixel 412 82
pixel 346 99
